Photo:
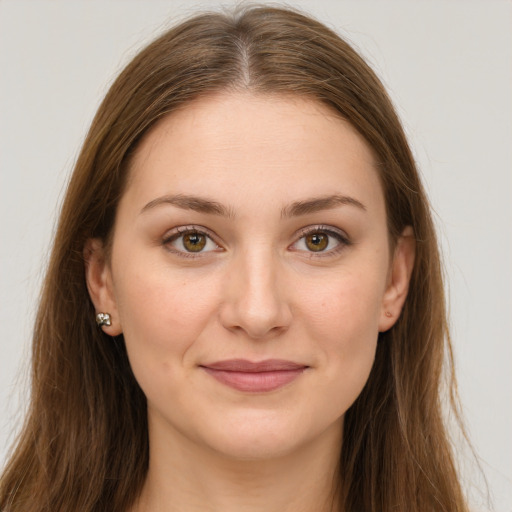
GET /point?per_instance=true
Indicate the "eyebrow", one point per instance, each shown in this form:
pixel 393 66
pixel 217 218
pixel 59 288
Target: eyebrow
pixel 295 209
pixel 185 202
pixel 318 204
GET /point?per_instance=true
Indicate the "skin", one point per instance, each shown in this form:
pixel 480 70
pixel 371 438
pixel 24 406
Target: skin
pixel 256 291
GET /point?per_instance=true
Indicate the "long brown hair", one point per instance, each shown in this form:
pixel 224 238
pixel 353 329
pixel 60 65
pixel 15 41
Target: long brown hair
pixel 84 446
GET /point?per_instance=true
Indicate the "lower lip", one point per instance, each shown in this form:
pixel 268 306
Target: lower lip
pixel 257 381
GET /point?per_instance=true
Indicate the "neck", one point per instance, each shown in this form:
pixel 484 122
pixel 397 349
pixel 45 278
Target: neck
pixel 185 477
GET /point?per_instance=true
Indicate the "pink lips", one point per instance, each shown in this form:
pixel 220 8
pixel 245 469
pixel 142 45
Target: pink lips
pixel 255 376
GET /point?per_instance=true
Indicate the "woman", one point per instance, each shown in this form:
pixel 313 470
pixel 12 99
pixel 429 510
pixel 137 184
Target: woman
pixel 244 306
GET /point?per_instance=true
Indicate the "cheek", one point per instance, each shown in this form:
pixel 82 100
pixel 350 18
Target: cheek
pixel 342 317
pixel 162 313
pixel 345 305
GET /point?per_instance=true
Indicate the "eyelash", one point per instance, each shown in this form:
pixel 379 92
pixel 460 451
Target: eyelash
pixel 340 237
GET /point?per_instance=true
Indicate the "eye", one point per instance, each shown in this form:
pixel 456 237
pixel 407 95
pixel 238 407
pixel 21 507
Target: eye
pixel 189 241
pixel 321 240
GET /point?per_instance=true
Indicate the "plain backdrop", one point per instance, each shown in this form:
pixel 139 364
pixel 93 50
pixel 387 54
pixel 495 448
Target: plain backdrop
pixel 447 65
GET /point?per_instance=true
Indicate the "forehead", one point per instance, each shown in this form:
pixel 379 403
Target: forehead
pixel 240 144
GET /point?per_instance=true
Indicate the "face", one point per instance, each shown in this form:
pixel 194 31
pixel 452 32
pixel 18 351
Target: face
pixel 251 273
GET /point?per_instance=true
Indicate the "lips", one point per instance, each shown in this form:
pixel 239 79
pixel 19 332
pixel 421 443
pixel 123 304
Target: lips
pixel 261 376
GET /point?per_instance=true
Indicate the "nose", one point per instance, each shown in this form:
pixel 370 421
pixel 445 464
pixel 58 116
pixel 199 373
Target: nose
pixel 254 296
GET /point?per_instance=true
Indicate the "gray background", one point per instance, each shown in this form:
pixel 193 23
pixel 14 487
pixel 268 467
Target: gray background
pixel 447 65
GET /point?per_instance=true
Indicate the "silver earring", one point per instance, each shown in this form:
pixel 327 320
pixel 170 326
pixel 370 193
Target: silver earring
pixel 103 319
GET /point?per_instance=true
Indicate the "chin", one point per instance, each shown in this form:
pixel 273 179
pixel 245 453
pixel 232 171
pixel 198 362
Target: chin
pixel 257 438
pixel 256 446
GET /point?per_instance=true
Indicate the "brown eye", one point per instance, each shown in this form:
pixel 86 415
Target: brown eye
pixel 322 241
pixel 317 242
pixel 194 242
pixel 190 242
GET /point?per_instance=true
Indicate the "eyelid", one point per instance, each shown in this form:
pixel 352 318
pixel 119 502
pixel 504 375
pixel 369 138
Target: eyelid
pixel 323 228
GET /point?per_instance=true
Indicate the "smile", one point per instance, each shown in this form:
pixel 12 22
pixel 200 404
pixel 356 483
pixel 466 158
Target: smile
pixel 255 377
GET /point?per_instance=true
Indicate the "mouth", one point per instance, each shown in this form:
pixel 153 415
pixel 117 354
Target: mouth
pixel 256 377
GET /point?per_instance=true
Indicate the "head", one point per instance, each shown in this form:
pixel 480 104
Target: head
pixel 290 259
pixel 283 70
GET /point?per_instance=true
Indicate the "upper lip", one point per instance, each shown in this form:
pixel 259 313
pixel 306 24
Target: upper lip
pixel 243 365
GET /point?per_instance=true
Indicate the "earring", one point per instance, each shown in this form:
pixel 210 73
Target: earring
pixel 388 314
pixel 103 319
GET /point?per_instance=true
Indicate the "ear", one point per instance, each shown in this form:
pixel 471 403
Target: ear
pixel 98 276
pixel 398 280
